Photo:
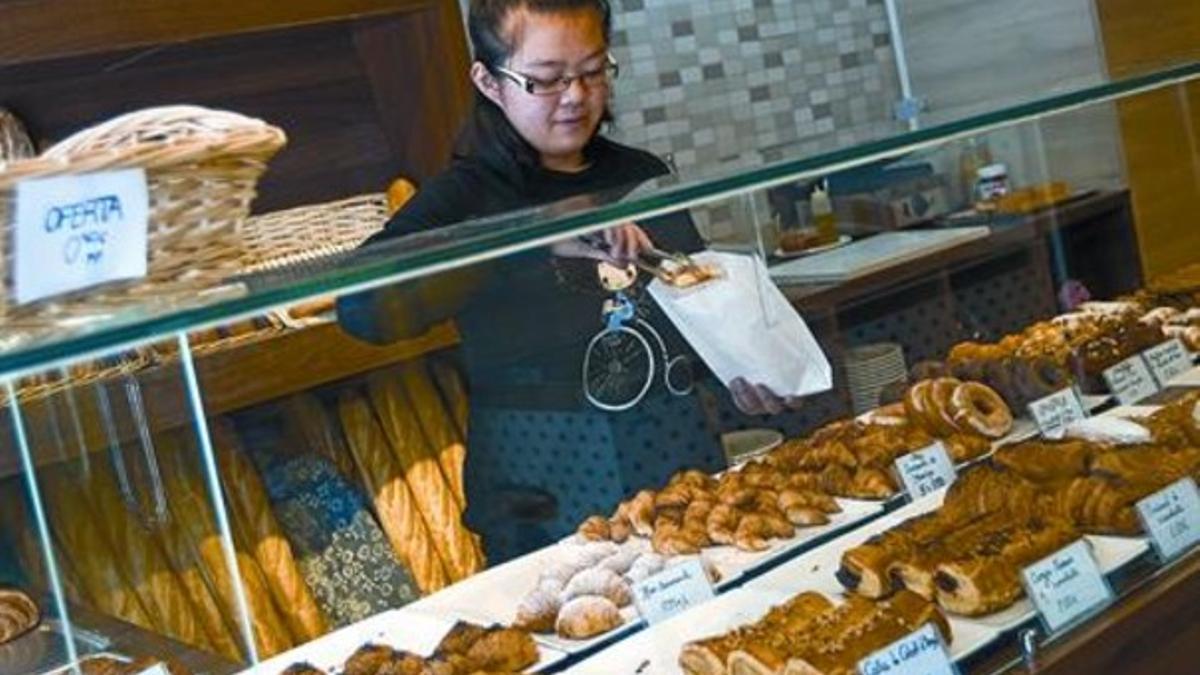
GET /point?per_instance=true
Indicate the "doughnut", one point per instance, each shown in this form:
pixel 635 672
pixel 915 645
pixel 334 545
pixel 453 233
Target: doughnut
pixel 916 402
pixel 1041 377
pixel 981 410
pixel 964 351
pixel 940 412
pixel 1001 377
pixel 971 369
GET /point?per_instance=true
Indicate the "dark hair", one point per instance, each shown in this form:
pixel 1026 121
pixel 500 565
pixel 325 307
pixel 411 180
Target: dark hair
pixel 488 135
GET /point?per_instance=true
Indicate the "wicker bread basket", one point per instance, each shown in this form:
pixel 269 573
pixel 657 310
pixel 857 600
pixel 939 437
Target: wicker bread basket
pixel 202 167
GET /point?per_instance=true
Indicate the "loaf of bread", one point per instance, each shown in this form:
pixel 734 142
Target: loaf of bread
pixel 306 417
pixel 73 524
pixel 454 394
pixel 253 520
pixel 395 505
pixel 142 558
pixel 192 514
pixel 441 510
pixel 439 427
pixel 182 555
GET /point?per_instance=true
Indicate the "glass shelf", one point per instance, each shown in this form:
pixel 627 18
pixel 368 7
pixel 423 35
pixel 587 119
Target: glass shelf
pixel 475 241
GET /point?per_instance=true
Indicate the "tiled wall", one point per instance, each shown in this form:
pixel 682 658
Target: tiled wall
pixel 725 83
pixel 715 81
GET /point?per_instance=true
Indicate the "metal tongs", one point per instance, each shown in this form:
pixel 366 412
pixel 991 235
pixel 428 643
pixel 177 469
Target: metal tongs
pixel 652 261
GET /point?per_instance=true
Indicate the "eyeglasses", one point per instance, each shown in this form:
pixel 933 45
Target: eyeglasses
pixel 541 87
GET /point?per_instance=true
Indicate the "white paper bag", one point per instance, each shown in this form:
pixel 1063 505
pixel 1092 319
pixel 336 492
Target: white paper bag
pixel 742 326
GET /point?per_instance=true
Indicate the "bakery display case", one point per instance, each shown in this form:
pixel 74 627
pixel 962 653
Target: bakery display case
pixel 931 392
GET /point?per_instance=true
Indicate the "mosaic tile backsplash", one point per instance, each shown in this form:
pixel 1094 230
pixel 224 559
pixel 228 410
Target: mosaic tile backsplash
pixel 730 83
pixel 710 80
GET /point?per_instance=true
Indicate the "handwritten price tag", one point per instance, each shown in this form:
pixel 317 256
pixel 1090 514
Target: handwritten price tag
pixel 672 591
pixel 1168 360
pixel 926 471
pixel 74 232
pixel 1172 517
pixel 1067 586
pixel 1131 380
pixel 1056 412
pixel 920 653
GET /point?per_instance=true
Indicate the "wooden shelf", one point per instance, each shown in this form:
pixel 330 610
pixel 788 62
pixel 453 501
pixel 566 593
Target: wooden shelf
pixel 244 375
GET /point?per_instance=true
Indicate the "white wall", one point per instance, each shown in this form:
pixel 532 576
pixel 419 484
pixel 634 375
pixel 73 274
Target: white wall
pixel 966 57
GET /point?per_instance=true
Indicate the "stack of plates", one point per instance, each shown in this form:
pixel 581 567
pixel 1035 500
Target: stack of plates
pixel 870 368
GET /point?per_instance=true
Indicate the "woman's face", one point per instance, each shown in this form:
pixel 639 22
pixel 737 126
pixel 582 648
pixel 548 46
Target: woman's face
pixel 549 46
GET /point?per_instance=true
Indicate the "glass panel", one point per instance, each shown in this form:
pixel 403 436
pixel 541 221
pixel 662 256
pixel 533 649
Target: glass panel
pixel 528 399
pixel 141 551
pixel 449 247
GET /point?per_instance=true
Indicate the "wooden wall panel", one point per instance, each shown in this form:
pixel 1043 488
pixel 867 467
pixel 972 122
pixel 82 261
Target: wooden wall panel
pixel 1160 130
pixel 36 30
pixel 363 100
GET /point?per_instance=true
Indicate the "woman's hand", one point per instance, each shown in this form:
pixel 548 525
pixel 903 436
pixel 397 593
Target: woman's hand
pixel 757 399
pixel 618 245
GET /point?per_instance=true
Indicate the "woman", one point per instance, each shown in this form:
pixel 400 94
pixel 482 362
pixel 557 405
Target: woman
pixel 539 456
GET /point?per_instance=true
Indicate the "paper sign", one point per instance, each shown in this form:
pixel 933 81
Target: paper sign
pixel 1056 412
pixel 1172 517
pixel 920 653
pixel 74 232
pixel 672 591
pixel 156 669
pixel 1131 381
pixel 1067 586
pixel 1168 360
pixel 926 471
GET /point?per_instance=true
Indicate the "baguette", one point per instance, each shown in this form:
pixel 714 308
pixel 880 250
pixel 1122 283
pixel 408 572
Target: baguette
pixel 441 510
pixel 192 513
pixel 145 564
pixel 439 428
pixel 450 384
pixel 252 517
pixel 395 505
pixel 305 415
pixel 73 526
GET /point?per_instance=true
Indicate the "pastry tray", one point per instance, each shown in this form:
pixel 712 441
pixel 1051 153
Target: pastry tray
pixel 659 645
pixel 493 595
pixel 406 629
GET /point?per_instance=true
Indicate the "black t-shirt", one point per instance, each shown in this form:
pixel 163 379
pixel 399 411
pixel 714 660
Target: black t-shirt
pixel 525 331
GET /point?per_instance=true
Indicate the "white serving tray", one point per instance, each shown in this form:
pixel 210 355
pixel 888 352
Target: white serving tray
pixel 872 254
pixel 492 596
pixel 656 650
pixel 815 570
pixel 406 628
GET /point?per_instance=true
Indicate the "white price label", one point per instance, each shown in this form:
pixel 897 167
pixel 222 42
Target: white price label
pixel 926 471
pixel 920 653
pixel 1067 586
pixel 1056 412
pixel 156 669
pixel 74 232
pixel 1168 360
pixel 1172 517
pixel 1131 381
pixel 672 591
